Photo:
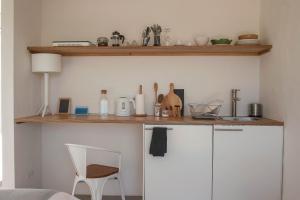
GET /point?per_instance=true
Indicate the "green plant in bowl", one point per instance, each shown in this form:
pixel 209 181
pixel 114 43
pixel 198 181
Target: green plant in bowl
pixel 221 41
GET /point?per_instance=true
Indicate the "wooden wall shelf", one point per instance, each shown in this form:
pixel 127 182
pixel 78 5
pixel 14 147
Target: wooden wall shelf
pixel 139 120
pixel 226 50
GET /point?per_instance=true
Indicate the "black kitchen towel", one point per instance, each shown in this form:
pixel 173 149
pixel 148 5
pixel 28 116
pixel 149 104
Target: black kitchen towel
pixel 158 146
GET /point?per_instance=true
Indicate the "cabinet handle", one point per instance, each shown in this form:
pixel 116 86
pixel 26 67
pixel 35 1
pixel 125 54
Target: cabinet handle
pixel 229 130
pixel 150 129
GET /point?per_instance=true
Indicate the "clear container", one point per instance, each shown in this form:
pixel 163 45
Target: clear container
pixel 157 110
pixel 166 39
pixel 103 103
pixel 165 113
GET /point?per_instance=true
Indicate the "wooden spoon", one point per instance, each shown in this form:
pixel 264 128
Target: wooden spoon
pixel 141 89
pixel 155 91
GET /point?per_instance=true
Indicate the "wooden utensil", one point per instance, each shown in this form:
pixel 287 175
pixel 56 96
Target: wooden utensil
pixel 141 89
pixel 172 100
pixel 155 91
pixel 177 111
pixel 160 98
pixel 248 36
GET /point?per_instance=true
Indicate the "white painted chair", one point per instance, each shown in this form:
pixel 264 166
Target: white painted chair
pixel 94 175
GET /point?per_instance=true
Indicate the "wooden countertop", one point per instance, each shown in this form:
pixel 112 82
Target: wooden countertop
pixel 140 120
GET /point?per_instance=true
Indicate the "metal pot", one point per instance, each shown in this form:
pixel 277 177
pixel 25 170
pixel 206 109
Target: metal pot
pixel 255 110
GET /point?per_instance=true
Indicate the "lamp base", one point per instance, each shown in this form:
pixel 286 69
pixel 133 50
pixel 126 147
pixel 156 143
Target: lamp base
pixel 44 110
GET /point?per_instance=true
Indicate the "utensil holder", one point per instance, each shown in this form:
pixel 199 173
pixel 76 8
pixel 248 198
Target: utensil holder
pixel 156 40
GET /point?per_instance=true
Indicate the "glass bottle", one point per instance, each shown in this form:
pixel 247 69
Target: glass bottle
pixel 166 39
pixel 103 103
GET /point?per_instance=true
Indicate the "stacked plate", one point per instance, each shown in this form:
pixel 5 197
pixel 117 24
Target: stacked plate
pixel 249 39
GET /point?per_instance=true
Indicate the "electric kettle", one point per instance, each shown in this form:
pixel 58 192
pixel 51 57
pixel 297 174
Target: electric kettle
pixel 125 107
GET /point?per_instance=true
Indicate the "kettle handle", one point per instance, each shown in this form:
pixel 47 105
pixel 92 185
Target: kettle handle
pixel 122 37
pixel 133 103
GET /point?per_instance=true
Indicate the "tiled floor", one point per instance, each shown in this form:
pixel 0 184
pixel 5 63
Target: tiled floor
pixel 87 197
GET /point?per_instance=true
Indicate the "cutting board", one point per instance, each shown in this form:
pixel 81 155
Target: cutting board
pixel 171 100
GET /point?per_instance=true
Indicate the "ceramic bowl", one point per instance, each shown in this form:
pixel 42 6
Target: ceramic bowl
pixel 222 41
pixel 248 42
pixel 201 40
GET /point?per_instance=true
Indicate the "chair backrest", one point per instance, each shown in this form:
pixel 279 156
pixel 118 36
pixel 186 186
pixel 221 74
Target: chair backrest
pixel 78 156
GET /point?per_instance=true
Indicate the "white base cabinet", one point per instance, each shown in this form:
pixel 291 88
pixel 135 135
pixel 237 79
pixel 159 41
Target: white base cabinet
pixel 215 163
pixel 247 162
pixel 185 172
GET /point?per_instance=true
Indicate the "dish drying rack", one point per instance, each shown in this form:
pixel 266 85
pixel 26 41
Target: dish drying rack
pixel 205 111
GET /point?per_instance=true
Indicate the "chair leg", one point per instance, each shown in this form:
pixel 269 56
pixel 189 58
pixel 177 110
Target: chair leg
pixel 96 186
pixel 121 187
pixel 100 188
pixel 74 186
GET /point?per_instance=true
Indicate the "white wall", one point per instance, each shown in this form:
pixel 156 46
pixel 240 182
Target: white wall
pixel 7 91
pixel 280 81
pixel 203 78
pixel 89 19
pixel 27 94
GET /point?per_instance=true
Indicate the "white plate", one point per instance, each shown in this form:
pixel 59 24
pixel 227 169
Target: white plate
pixel 248 41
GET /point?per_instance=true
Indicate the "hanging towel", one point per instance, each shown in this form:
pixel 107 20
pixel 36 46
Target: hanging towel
pixel 158 146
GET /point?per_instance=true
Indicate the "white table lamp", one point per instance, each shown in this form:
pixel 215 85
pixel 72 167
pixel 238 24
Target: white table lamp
pixel 46 63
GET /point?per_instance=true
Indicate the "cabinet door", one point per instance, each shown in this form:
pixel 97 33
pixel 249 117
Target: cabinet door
pixel 247 163
pixel 185 172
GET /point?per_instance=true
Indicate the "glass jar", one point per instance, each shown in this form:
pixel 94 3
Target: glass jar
pixel 166 39
pixel 165 113
pixel 157 110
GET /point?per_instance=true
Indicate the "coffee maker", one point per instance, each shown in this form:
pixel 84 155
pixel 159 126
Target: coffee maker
pixel 117 39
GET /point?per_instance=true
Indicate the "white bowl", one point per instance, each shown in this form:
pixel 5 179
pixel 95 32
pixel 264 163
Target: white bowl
pixel 201 40
pixel 248 42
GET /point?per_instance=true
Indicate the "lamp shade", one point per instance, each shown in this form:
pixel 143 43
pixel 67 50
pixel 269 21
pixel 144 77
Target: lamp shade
pixel 46 62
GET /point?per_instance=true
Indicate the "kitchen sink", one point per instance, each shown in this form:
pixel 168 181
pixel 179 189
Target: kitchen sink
pixel 242 119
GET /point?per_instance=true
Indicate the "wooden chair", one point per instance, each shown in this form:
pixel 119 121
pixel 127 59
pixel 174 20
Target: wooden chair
pixel 94 175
